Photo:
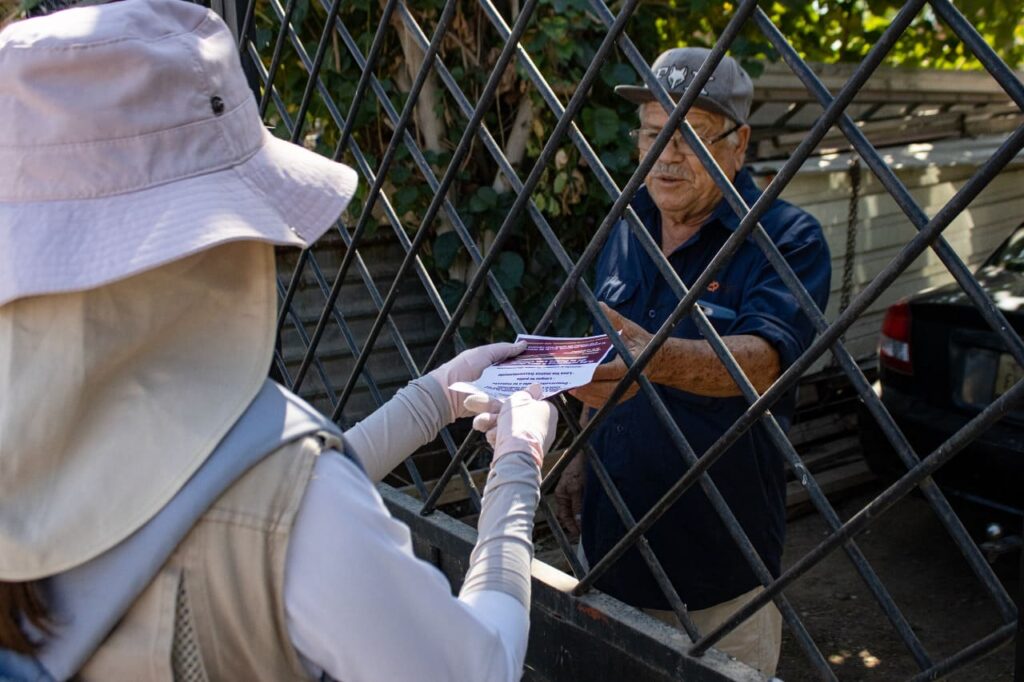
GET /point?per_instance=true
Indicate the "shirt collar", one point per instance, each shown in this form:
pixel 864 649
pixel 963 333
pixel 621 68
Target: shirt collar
pixel 750 192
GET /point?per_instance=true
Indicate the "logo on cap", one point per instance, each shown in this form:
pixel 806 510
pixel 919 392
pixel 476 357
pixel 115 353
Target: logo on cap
pixel 677 76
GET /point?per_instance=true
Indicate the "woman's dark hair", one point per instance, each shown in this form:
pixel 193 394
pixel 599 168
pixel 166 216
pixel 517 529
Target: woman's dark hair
pixel 20 602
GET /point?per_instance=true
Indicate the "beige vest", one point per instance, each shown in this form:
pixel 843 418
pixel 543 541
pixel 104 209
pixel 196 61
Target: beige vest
pixel 216 609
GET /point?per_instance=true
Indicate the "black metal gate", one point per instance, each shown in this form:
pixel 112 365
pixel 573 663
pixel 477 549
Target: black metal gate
pixel 268 32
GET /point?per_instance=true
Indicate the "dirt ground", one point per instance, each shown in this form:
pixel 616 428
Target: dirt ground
pixel 927 577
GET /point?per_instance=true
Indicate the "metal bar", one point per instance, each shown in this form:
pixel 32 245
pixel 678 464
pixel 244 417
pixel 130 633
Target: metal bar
pixel 917 216
pixel 396 225
pixel 275 60
pixel 723 509
pixel 1018 672
pixel 658 572
pixel 243 31
pixel 791 375
pixel 424 167
pixel 759 404
pixel 548 152
pixel 878 506
pixel 393 220
pixel 365 167
pixel 399 342
pixel 474 253
pixel 464 236
pixel 314 71
pixel 296 134
pixel 460 152
pixel 982 50
pixel 350 341
pixel 407 359
pixel 447 15
pixel 299 327
pixel 644 547
pixel 364 78
pixel 458 460
pixel 494 286
pixel 975 651
pixel 966 546
pixel 301 332
pixel 278 356
pixel 749 221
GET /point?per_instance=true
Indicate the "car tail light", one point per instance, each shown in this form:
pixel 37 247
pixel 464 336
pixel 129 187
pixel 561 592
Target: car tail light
pixel 894 344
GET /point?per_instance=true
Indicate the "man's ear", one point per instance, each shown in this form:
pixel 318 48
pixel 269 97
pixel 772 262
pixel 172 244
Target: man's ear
pixel 743 139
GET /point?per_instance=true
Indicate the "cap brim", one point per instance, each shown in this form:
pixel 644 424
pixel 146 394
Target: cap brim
pixel 283 195
pixel 640 94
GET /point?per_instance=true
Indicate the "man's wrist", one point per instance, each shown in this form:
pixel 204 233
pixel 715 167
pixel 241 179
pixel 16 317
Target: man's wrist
pixel 655 369
pixel 662 367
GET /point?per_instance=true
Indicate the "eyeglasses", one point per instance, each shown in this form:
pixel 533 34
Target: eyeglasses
pixel 645 137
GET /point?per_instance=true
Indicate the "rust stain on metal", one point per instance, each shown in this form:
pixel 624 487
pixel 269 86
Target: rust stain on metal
pixel 593 613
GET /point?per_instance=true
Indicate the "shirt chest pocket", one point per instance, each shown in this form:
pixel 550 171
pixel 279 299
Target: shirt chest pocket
pixel 720 317
pixel 620 294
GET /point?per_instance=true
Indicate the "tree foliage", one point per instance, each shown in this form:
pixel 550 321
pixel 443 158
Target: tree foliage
pixel 844 30
pixel 561 40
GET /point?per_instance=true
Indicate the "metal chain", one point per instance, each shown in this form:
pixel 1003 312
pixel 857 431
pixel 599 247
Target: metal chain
pixel 846 287
pixel 846 290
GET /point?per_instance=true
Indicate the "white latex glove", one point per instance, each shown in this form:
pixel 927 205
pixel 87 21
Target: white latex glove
pixel 523 423
pixel 467 366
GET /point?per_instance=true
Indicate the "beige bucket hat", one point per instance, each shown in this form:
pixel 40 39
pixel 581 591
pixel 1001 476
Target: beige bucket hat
pixel 140 195
pixel 131 138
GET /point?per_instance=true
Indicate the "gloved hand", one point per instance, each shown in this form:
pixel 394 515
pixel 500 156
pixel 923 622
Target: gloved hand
pixel 467 366
pixel 523 423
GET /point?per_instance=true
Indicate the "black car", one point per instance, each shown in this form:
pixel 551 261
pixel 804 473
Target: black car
pixel 939 364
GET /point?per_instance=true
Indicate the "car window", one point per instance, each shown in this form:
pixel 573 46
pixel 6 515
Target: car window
pixel 1011 254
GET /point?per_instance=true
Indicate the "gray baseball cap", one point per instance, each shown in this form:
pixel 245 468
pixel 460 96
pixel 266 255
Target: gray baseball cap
pixel 729 91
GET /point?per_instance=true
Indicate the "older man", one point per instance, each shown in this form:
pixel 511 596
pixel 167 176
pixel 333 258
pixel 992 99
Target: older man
pixel 764 328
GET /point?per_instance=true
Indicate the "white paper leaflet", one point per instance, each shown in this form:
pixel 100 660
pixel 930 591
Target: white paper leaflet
pixel 556 363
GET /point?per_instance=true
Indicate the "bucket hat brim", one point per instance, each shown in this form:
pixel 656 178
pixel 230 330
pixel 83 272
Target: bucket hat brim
pixel 282 194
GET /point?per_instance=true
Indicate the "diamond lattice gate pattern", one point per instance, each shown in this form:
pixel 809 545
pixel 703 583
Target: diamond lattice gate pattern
pixel 477 153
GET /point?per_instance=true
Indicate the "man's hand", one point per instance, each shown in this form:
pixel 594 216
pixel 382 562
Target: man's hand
pixel 569 496
pixel 606 376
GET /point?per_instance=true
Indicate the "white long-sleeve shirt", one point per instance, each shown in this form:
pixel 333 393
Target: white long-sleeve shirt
pixel 359 604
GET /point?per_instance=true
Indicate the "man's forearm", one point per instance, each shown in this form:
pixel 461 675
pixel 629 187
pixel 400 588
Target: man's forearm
pixel 691 365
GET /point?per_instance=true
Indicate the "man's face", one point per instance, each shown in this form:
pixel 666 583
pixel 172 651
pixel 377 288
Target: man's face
pixel 678 183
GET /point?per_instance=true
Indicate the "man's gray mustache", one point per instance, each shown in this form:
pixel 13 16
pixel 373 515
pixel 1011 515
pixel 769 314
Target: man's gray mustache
pixel 673 170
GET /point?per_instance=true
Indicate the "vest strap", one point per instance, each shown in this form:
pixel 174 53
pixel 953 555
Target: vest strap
pixel 90 599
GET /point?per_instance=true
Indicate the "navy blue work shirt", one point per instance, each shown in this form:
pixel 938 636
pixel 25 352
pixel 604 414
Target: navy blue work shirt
pixel 746 297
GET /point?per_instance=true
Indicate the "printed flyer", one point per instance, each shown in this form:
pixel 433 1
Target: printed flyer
pixel 556 363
